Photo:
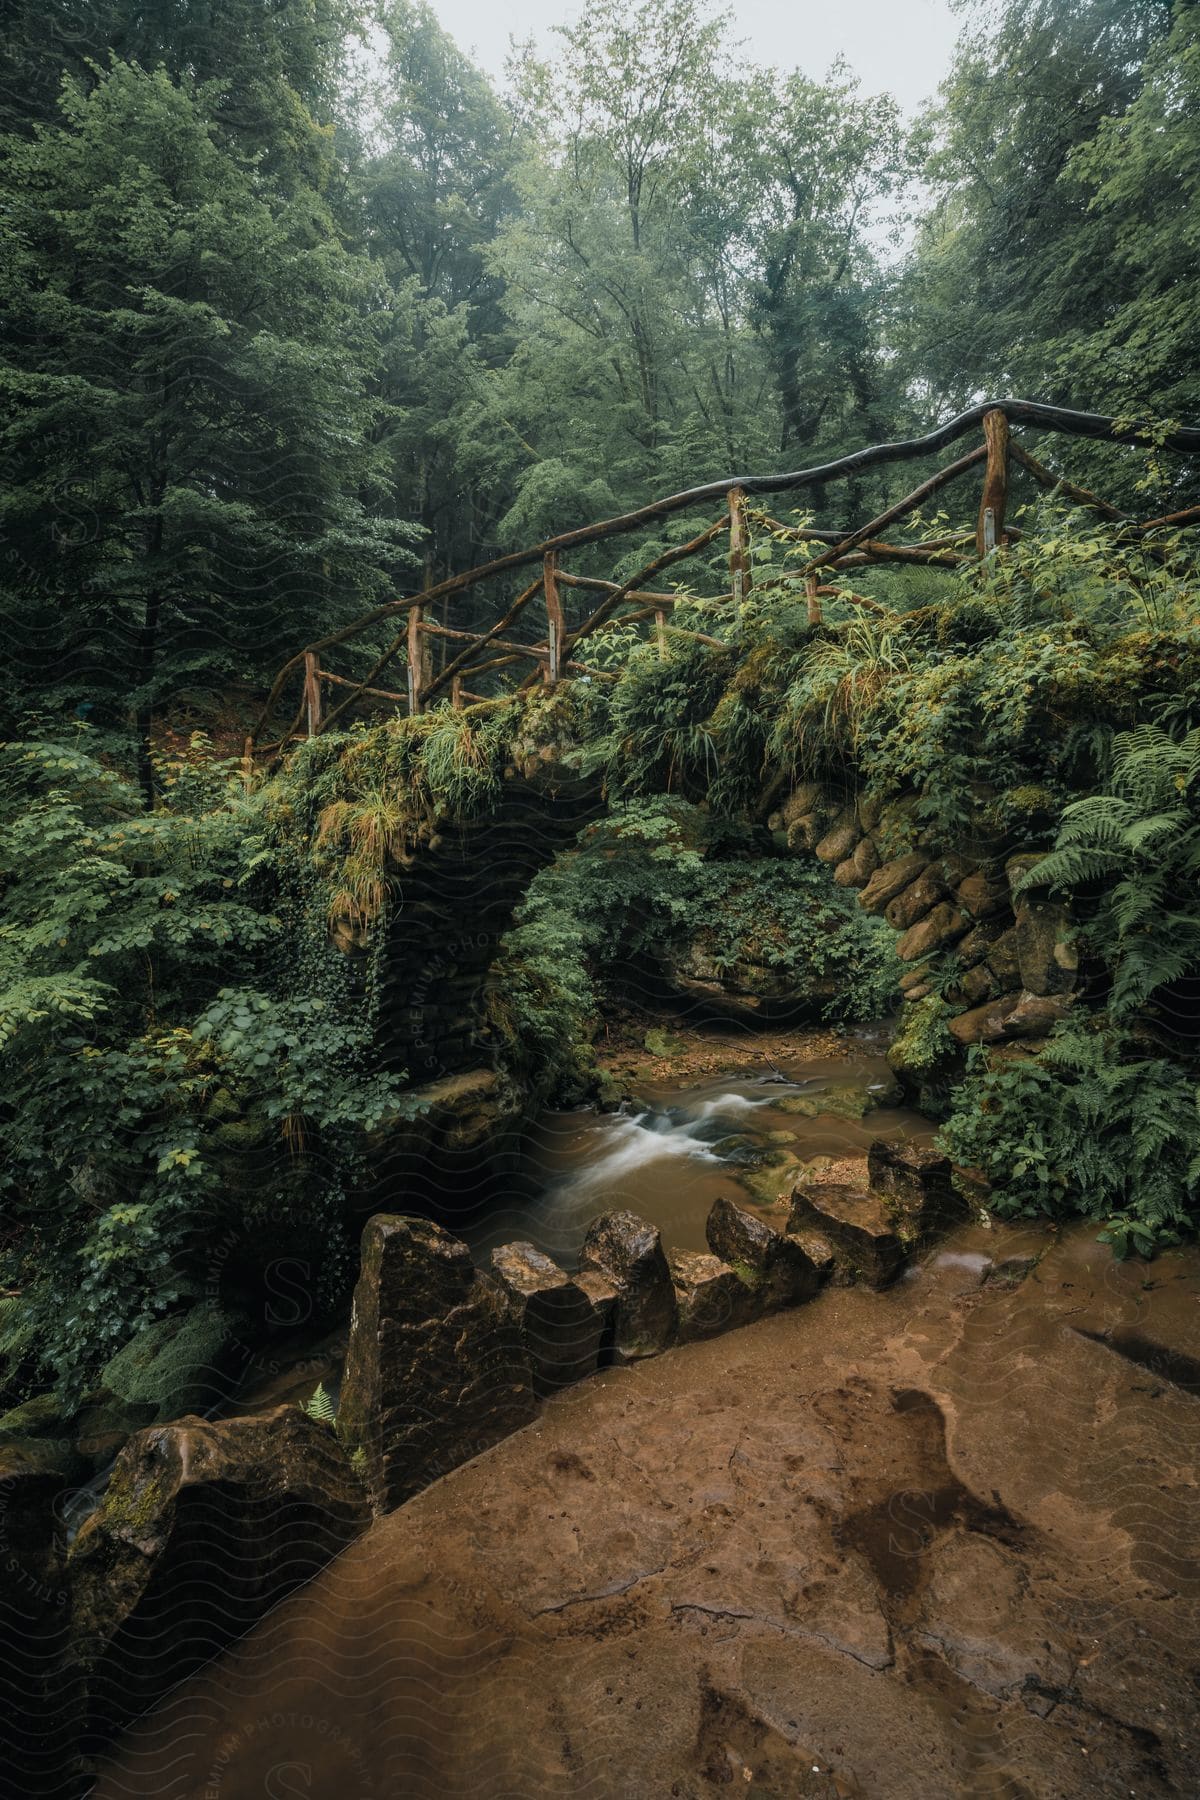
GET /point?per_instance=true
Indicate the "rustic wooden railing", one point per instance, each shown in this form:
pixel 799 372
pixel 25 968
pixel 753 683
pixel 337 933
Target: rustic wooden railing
pixel 833 551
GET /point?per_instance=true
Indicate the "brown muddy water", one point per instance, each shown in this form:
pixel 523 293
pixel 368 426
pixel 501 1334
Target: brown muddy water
pixel 669 1154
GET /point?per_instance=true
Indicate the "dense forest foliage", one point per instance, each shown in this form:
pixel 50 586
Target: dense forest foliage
pixel 300 312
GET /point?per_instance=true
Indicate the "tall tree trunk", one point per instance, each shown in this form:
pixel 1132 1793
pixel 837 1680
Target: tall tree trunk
pixel 147 659
pixel 144 722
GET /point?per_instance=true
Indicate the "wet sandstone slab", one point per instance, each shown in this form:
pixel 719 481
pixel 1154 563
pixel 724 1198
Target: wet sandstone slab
pixel 937 1541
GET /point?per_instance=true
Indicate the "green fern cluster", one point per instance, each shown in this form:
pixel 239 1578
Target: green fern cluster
pixel 1136 851
pixel 1091 1128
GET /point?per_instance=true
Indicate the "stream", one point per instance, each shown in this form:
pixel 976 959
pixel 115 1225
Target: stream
pixel 670 1155
pixel 667 1157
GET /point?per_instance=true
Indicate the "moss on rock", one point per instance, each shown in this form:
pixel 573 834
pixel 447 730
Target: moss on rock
pixel 177 1365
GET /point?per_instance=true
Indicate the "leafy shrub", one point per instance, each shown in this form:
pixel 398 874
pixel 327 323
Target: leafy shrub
pixel 168 1007
pixel 1091 1128
pixel 540 1000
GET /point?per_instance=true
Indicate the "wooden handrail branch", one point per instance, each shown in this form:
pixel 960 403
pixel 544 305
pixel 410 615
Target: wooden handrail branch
pixel 1048 479
pixel 909 504
pixel 839 549
pixel 502 624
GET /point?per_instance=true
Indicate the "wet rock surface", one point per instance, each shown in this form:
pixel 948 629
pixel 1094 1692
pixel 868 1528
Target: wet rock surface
pixel 776 1269
pixel 891 879
pixel 561 1327
pixel 866 1243
pixel 916 1184
pixel 827 1555
pixel 202 1528
pixel 436 1369
pixel 628 1252
pixel 710 1295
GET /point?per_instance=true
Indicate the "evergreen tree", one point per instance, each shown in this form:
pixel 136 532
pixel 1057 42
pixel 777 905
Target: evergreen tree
pixel 280 60
pixel 185 359
pixel 432 198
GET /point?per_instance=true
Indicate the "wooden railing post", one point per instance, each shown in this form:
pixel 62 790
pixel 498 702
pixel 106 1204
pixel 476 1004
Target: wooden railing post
pixel 416 661
pixel 989 533
pixel 456 691
pixel 312 693
pixel 554 617
pixel 739 546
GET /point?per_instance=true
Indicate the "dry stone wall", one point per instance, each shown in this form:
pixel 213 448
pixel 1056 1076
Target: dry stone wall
pixel 1013 966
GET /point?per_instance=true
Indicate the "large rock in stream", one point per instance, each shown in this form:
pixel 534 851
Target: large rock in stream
pixel 775 1270
pixel 204 1526
pixel 628 1252
pixel 858 1225
pixel 711 1296
pixel 436 1369
pixel 560 1323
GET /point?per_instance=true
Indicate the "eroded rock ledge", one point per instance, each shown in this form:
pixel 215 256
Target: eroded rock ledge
pixel 205 1525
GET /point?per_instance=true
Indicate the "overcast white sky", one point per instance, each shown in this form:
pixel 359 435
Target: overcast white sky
pixel 900 45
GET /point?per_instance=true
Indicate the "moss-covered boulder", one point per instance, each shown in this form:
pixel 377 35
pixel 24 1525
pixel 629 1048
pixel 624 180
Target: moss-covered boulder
pixel 181 1364
pixel 41 1416
pixel 203 1527
pixel 922 1046
pixel 772 1181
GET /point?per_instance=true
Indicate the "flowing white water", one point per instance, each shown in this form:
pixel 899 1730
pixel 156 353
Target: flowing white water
pixel 659 1162
pixel 629 1141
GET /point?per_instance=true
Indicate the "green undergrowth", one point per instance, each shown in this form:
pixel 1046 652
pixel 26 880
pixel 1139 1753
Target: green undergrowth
pixel 1097 1126
pixel 651 885
pixel 185 1062
pixel 1046 701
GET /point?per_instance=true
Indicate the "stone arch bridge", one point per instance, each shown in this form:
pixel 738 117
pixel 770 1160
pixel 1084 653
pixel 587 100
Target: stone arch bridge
pixel 455 898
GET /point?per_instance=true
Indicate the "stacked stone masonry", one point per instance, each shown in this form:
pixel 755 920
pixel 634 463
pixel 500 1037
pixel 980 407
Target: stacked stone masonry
pixel 1015 964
